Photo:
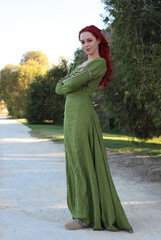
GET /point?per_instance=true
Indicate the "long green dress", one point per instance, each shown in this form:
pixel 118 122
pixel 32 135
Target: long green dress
pixel 91 194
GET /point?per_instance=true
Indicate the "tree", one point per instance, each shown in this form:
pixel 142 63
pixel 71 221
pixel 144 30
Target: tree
pixel 134 97
pixel 80 55
pixel 56 106
pixel 8 86
pixel 14 80
pixel 37 56
pixel 41 102
pixel 37 100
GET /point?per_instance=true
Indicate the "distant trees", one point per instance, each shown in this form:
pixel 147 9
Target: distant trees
pixel 28 89
pixel 134 98
pixel 8 86
pixel 14 80
pixel 80 55
pixel 36 56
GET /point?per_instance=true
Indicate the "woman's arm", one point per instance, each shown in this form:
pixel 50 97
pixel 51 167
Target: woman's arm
pixel 72 83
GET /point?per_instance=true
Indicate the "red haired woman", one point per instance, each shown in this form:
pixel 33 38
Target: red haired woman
pixel 91 195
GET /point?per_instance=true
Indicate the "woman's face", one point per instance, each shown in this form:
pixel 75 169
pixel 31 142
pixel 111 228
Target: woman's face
pixel 89 43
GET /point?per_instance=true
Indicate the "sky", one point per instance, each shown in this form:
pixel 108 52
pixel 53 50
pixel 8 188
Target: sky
pixel 51 26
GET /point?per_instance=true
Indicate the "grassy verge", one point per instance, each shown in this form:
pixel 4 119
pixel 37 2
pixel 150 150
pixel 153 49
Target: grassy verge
pixel 55 133
pixel 114 142
pixel 123 143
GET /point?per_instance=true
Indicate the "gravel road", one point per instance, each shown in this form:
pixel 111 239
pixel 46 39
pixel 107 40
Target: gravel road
pixel 33 191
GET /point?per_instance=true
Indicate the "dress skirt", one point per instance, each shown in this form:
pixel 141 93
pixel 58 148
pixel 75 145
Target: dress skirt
pixel 91 194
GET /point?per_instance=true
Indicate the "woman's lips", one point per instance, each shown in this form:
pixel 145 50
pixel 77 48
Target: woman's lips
pixel 87 49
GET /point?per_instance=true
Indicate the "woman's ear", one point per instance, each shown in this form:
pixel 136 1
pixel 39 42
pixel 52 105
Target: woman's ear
pixel 98 40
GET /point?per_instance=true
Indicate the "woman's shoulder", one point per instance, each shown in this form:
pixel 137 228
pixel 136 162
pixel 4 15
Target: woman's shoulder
pixel 96 61
pixel 97 67
pixel 99 61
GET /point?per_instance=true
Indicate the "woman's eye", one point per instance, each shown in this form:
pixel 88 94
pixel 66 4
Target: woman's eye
pixel 88 40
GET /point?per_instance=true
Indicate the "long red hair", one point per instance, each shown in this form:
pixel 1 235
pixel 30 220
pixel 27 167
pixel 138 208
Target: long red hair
pixel 103 51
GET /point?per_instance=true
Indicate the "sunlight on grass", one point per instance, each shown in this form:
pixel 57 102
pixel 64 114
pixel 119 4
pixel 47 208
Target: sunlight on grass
pixel 126 138
pixel 128 144
pixel 122 138
pixel 56 137
pixel 113 142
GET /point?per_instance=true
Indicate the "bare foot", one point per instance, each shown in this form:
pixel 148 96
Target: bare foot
pixel 73 225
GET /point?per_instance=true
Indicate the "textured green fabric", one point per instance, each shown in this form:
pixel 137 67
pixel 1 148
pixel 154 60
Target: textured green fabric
pixel 91 194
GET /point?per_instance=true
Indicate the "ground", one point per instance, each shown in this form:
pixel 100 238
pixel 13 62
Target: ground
pixel 142 167
pixel 33 190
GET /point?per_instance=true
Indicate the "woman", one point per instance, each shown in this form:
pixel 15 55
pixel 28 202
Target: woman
pixel 91 194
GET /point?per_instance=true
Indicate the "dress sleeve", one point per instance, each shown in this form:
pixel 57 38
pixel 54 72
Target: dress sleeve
pixel 94 69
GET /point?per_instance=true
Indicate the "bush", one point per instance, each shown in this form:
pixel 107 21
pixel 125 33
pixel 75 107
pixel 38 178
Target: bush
pixel 42 103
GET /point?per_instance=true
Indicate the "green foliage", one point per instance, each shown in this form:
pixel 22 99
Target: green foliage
pixel 41 102
pixel 9 89
pixel 56 107
pixel 14 80
pixel 36 102
pixel 79 55
pixel 134 97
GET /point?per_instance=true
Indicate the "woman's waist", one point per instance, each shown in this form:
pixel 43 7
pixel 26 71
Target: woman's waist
pixel 75 101
pixel 79 94
pixel 78 97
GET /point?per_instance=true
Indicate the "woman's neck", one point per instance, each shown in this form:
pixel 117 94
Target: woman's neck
pixel 91 57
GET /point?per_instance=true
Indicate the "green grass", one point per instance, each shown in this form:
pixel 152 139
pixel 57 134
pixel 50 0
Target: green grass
pixel 114 142
pixel 123 143
pixel 55 133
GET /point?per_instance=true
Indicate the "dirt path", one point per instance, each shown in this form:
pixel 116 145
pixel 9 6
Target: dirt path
pixel 33 190
pixel 143 168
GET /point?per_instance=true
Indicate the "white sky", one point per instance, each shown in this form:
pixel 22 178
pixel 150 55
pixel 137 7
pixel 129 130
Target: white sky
pixel 51 26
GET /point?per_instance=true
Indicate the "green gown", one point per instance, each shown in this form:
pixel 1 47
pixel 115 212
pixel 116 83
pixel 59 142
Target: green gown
pixel 91 194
